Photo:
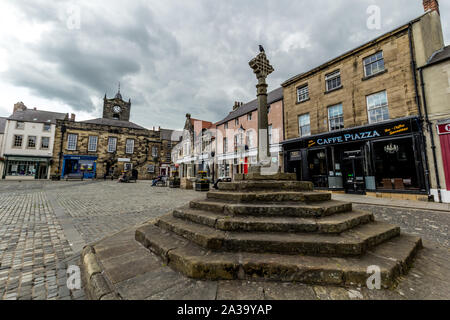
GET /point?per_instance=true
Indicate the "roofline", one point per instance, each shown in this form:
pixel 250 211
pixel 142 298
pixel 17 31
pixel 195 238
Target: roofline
pixel 351 52
pixel 438 61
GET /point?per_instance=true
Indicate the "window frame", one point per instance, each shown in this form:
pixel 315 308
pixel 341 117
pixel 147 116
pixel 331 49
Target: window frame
pixel 269 133
pixel 42 141
pixel 375 108
pixel 301 126
pixel 114 149
pixel 332 76
pixel 49 127
pixel 14 141
pixel 68 141
pixel 17 125
pixel 35 142
pixel 307 93
pixel 127 151
pixel 90 144
pixel 225 145
pixel 334 118
pixel 154 151
pixel 373 62
pixel 249 116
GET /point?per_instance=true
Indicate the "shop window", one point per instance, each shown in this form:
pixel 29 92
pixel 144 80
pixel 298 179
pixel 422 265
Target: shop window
pixel 112 144
pixel 317 160
pixel 72 141
pixel 31 142
pixel 373 64
pixel 336 117
pixel 377 107
pixel 395 165
pixel 333 80
pixel 129 146
pixel 45 142
pixel 304 126
pixel 21 168
pixel 302 93
pixel 92 144
pixel 18 139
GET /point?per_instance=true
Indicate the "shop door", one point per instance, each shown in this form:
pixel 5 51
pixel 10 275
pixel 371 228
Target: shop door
pixel 353 171
pixel 42 172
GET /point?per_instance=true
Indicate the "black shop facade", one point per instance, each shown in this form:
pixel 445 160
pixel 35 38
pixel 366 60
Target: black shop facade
pixel 383 157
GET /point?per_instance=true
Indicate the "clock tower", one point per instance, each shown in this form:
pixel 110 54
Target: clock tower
pixel 116 108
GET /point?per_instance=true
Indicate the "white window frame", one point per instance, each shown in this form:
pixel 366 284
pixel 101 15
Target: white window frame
pixel 333 118
pixel 112 144
pixel 331 77
pixel 92 143
pixel 42 143
pixel 302 123
pixel 49 127
pixel 249 116
pixel 129 146
pixel 22 127
pixel 370 61
pixel 72 143
pixel 302 93
pixel 14 140
pixel 382 107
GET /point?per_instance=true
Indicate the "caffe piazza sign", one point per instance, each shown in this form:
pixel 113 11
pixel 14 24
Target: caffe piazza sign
pixel 360 135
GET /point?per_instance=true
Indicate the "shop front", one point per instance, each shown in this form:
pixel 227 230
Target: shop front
pixel 25 167
pixel 386 157
pixel 86 165
pixel 444 139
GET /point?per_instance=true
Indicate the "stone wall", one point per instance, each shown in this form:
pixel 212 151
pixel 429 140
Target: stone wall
pixel 141 157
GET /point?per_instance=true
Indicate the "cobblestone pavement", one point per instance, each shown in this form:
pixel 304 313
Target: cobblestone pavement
pixel 43 225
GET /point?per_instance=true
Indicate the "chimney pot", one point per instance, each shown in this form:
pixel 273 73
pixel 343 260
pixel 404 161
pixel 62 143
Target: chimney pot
pixel 431 5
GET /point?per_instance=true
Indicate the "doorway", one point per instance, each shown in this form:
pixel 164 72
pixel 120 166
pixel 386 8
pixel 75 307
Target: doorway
pixel 353 172
pixel 42 174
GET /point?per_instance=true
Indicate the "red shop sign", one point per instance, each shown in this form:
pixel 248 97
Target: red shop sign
pixel 444 128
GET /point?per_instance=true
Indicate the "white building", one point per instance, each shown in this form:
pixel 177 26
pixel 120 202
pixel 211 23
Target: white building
pixel 28 143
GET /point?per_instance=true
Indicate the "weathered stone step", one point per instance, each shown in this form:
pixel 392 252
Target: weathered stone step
pixel 335 224
pixel 255 176
pixel 349 243
pixel 266 185
pixel 393 257
pixel 294 209
pixel 279 196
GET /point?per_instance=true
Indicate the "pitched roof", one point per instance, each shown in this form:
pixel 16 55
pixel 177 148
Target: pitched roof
pixel 114 123
pixel 273 96
pixel 2 124
pixel 39 116
pixel 439 56
pixel 205 124
pixel 351 52
pixel 173 135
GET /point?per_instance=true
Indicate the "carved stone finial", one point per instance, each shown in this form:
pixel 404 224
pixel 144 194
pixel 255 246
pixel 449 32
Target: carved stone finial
pixel 261 65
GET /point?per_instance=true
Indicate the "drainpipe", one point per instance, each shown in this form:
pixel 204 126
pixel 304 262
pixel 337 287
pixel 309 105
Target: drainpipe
pixel 430 130
pixel 417 98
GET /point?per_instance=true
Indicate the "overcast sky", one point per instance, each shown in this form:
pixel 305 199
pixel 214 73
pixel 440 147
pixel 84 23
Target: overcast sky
pixel 173 57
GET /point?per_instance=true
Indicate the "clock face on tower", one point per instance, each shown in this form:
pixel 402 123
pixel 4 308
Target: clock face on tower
pixel 117 109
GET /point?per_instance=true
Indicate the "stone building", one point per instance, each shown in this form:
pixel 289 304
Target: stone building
pixel 237 136
pixel 435 83
pixel 354 124
pixel 28 141
pixel 2 133
pixel 106 146
pixel 169 139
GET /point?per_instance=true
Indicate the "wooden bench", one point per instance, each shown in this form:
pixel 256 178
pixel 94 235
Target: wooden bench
pixel 74 176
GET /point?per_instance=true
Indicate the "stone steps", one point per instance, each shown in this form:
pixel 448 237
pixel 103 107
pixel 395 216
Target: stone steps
pixel 287 209
pixel 279 196
pixel 393 257
pixel 349 243
pixel 334 224
pixel 266 185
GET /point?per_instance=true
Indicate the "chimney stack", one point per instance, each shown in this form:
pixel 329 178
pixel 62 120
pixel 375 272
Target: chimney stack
pixel 431 5
pixel 19 106
pixel 72 117
pixel 237 105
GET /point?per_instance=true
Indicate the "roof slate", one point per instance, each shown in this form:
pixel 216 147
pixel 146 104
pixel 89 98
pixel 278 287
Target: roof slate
pixel 38 116
pixel 114 123
pixel 2 124
pixel 440 55
pixel 251 106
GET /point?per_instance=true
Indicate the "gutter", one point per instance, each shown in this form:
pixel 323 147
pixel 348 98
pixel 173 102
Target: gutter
pixel 430 130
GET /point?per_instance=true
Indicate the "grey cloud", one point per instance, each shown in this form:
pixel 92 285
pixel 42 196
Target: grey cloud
pixel 176 57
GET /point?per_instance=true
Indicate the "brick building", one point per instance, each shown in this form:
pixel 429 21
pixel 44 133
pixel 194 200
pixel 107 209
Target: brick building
pixel 354 123
pixel 237 136
pixel 111 144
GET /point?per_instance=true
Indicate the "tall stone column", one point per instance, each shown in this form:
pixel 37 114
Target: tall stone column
pixel 262 68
